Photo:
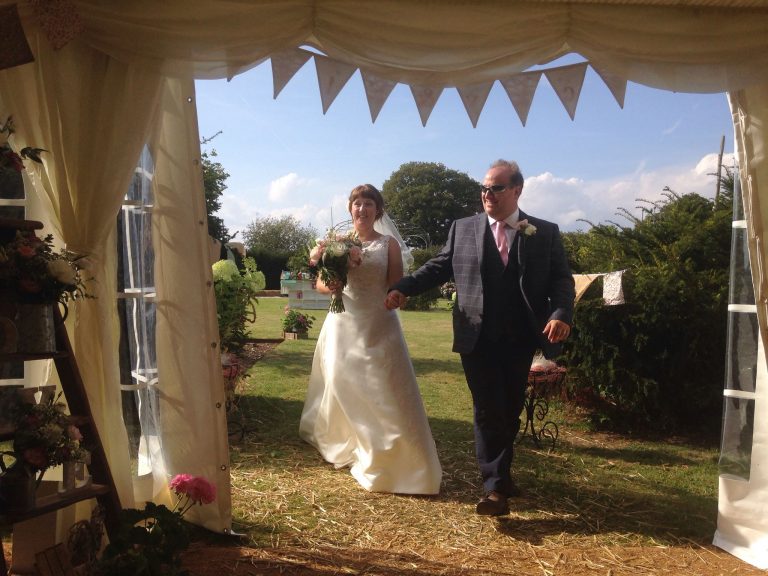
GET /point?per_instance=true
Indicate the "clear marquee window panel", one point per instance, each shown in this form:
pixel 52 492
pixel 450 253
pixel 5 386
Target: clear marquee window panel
pixel 741 365
pixel 138 315
pixel 743 340
pixel 738 426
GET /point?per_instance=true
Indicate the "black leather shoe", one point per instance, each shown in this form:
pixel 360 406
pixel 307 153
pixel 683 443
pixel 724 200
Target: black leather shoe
pixel 494 504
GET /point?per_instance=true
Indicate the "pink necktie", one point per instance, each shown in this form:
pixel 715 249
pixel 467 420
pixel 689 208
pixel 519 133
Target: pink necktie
pixel 501 241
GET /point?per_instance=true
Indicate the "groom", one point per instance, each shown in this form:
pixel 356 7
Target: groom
pixel 515 294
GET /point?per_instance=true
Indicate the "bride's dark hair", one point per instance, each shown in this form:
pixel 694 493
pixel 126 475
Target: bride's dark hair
pixel 367 191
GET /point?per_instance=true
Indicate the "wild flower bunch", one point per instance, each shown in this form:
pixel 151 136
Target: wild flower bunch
pixel 32 270
pixel 10 159
pixel 150 541
pixel 45 435
pixel 295 321
pixel 334 255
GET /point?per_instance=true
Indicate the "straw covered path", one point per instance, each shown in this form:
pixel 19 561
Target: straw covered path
pixel 300 516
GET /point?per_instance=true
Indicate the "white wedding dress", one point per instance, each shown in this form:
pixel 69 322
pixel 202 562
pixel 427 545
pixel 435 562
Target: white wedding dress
pixel 363 408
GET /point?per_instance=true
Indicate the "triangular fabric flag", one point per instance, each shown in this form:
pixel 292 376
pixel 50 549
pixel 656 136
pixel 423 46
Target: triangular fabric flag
pixel 285 65
pixel 613 292
pixel 377 90
pixel 567 82
pixel 616 84
pixel 332 76
pixel 14 48
pixel 425 98
pixel 520 89
pixel 59 19
pixel 582 282
pixel 474 97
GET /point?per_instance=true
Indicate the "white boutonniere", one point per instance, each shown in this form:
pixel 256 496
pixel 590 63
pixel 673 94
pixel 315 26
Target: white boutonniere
pixel 525 228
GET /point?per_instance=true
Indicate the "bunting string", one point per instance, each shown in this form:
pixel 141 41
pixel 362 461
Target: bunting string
pixel 333 75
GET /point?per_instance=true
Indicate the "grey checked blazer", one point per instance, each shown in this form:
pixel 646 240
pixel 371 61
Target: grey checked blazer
pixel 545 279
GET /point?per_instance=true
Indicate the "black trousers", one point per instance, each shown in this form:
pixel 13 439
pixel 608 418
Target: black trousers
pixel 497 375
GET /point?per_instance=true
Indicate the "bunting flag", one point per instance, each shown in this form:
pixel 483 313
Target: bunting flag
pixel 285 65
pixel 613 293
pixel 59 20
pixel 377 90
pixel 332 76
pixel 14 48
pixel 425 98
pixel 567 82
pixel 474 96
pixel 520 89
pixel 616 84
pixel 583 281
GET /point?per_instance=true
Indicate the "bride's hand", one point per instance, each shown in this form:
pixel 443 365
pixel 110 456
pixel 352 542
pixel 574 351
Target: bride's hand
pixel 335 286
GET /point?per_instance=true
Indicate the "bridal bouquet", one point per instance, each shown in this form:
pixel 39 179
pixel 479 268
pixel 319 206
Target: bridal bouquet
pixel 333 256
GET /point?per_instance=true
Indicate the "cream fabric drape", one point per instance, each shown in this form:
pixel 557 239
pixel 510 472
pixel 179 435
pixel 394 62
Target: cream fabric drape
pixel 449 43
pixel 193 418
pixel 92 115
pixel 750 117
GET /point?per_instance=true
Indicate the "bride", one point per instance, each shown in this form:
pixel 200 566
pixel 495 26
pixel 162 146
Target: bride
pixel 363 408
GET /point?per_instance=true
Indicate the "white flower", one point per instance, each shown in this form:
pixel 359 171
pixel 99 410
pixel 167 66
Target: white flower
pixel 225 270
pixel 62 271
pixel 525 228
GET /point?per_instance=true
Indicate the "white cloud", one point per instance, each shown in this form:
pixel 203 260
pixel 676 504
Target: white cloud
pixel 569 200
pixel 285 186
pixel 672 128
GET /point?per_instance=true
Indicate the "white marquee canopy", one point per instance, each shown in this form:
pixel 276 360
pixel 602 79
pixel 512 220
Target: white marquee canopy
pixel 109 77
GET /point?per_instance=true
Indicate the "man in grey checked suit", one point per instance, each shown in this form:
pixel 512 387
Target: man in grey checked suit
pixel 504 312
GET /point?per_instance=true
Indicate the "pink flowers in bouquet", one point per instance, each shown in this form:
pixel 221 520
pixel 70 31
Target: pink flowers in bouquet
pixel 334 256
pixel 191 490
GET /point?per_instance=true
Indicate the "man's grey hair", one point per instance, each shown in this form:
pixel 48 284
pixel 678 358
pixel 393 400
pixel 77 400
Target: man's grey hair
pixel 516 177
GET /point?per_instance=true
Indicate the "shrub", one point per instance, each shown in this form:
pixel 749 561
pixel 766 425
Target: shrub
pixel 235 300
pixel 659 360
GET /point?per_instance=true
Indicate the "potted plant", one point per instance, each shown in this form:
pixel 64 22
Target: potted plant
pixel 296 324
pixel 149 542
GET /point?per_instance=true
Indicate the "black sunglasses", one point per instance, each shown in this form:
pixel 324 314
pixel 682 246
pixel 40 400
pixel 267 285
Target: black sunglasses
pixel 495 189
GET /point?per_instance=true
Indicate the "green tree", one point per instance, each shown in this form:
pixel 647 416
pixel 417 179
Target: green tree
pixel 214 182
pixel 428 196
pixel 283 235
pixel 659 359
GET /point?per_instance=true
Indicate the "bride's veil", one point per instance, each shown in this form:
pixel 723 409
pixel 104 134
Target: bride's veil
pixel 385 225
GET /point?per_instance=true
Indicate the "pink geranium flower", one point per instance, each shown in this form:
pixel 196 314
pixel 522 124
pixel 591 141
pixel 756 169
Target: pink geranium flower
pixel 192 490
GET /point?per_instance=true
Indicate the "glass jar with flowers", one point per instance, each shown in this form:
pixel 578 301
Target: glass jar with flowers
pixel 44 436
pixel 296 324
pixel 34 277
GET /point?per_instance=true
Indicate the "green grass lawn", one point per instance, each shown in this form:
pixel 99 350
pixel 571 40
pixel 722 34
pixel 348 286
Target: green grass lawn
pixel 592 489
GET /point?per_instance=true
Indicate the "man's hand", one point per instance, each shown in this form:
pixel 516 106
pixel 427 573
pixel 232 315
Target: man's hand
pixel 395 299
pixel 556 331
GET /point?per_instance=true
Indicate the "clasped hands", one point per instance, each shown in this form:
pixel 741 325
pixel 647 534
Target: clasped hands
pixel 395 299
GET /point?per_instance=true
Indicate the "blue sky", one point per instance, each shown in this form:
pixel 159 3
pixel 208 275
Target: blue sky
pixel 285 157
